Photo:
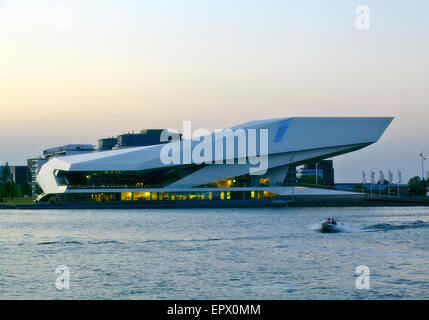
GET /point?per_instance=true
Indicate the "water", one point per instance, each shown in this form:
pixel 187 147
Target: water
pixel 269 253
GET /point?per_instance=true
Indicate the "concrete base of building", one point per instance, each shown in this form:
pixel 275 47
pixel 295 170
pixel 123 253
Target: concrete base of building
pixel 156 204
pixel 7 206
pixel 354 201
pixel 281 201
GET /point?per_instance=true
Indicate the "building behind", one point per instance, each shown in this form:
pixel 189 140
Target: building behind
pixel 323 169
pixel 68 150
pixel 18 173
pixel 146 137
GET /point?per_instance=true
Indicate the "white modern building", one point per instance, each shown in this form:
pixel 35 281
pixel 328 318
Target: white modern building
pixel 250 161
pixel 35 164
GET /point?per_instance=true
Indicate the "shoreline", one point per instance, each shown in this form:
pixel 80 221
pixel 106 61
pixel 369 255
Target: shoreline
pixel 297 201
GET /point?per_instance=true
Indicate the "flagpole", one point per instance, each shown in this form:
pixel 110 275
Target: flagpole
pixel 390 180
pixel 423 171
pixel 399 181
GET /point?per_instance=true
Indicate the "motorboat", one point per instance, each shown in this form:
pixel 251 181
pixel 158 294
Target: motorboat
pixel 329 225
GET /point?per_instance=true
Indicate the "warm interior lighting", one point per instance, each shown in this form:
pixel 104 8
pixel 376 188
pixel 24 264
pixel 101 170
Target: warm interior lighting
pixel 196 197
pixel 269 195
pixel 126 196
pixel 142 195
pixel 264 181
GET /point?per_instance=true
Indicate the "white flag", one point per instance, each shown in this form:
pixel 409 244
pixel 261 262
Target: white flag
pixel 372 177
pixel 399 177
pixel 381 177
pixel 363 177
pixel 390 177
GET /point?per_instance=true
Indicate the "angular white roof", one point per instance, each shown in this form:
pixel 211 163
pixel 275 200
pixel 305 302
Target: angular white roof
pixel 290 140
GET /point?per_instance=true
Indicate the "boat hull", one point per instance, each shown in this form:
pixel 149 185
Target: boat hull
pixel 327 227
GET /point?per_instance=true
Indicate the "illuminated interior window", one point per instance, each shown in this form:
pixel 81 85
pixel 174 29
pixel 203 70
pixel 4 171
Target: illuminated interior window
pixel 263 182
pixel 126 196
pixel 196 197
pixel 142 195
pixel 163 196
pixel 181 197
pixel 269 195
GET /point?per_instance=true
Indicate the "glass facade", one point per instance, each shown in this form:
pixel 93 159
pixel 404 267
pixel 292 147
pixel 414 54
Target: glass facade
pixel 155 178
pixel 242 181
pixel 151 179
pixel 131 179
pixel 159 196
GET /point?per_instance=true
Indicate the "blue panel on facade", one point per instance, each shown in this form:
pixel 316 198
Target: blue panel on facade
pixel 281 131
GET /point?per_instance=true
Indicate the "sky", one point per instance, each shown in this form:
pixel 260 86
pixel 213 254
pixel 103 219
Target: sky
pixel 77 71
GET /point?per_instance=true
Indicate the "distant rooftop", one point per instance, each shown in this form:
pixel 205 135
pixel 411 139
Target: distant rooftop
pixel 69 148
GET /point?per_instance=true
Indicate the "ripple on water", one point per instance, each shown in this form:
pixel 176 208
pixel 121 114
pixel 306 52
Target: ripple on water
pixel 261 253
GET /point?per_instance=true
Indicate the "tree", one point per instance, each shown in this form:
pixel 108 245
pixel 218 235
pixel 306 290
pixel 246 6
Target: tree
pixel 39 190
pixel 10 189
pixel 7 186
pixel 6 174
pixel 26 189
pixel 417 186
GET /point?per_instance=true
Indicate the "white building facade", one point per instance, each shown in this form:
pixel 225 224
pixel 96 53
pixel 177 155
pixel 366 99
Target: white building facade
pixel 249 161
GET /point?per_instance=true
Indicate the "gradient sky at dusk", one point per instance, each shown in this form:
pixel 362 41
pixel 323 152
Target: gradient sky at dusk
pixel 76 71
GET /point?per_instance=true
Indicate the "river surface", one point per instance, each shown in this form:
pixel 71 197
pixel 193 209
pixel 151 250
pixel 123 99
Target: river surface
pixel 260 253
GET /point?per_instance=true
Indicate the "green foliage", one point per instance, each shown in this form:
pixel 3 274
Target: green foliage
pixel 26 189
pixel 39 190
pixel 358 187
pixel 5 175
pixel 417 186
pixel 311 180
pixel 7 186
